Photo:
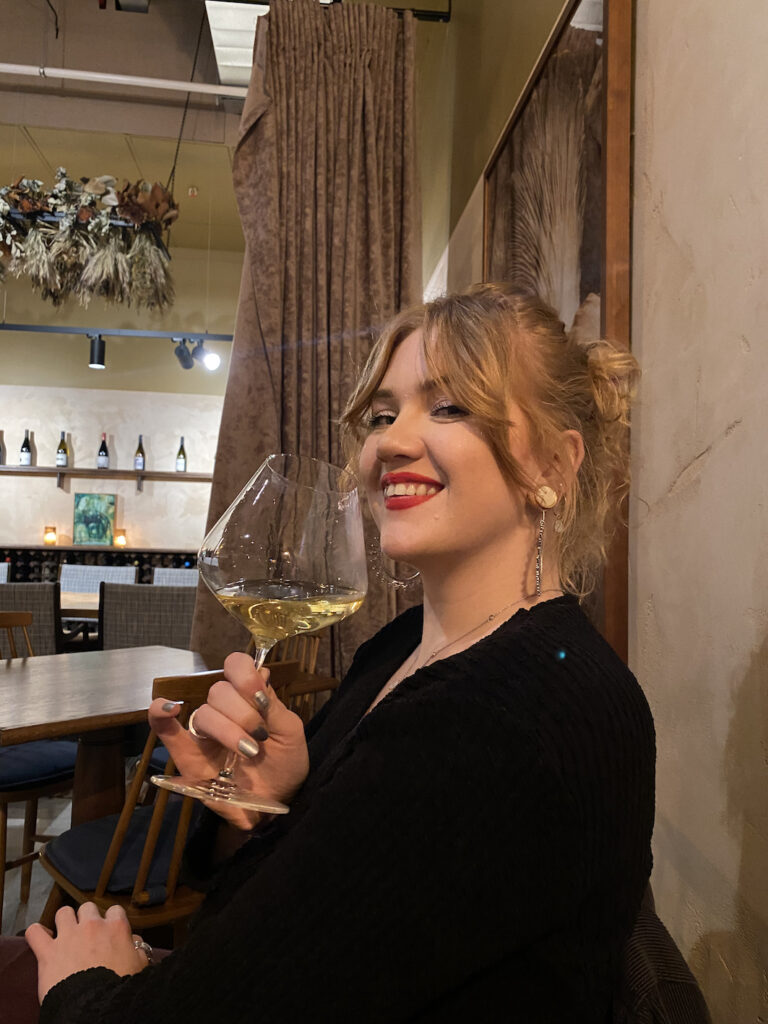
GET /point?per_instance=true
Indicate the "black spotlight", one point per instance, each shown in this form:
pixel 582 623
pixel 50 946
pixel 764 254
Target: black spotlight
pixel 96 362
pixel 183 354
pixel 199 352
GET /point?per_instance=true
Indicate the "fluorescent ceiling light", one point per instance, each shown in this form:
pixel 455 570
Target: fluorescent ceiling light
pixel 233 28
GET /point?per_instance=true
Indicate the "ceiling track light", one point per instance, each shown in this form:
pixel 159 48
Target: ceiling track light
pixel 210 360
pixel 183 354
pixel 98 350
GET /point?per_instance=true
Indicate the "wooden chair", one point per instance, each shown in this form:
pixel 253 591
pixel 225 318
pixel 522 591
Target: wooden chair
pixel 28 771
pixel 308 690
pixel 42 600
pixel 16 620
pixel 134 858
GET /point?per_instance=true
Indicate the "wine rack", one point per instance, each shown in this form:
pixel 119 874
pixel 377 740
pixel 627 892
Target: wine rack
pixel 39 564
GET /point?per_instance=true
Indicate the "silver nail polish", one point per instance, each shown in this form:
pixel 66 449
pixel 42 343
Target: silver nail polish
pixel 248 748
pixel 261 700
pixel 171 704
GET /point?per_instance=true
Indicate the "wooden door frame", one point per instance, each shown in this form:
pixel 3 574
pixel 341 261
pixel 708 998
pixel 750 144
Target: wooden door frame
pixel 616 258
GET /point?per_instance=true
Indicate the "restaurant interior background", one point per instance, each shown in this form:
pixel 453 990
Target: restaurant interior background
pixel 698 538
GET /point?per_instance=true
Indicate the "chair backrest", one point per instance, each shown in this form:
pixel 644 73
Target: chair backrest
pixel 308 690
pixel 297 648
pixel 175 577
pixel 85 579
pixel 42 601
pixel 3 572
pixel 138 615
pixel 190 691
pixel 656 985
pixel 9 621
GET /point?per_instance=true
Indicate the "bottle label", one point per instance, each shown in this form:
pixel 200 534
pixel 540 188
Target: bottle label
pixel 138 462
pixel 25 458
pixel 61 458
pixel 102 462
pixel 181 465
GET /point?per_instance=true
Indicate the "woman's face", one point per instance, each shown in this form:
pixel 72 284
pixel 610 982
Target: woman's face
pixel 433 484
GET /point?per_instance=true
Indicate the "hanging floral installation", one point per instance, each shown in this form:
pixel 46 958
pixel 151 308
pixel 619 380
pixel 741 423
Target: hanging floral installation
pixel 86 238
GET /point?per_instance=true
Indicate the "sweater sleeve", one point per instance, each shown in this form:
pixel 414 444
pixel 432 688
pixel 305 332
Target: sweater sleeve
pixel 438 843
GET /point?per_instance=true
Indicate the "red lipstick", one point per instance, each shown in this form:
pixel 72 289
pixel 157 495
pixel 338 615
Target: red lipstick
pixel 397 502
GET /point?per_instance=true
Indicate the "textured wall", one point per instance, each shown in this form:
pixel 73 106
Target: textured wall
pixel 165 514
pixel 699 557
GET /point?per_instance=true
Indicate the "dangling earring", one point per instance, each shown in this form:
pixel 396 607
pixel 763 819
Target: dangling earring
pixel 544 498
pixel 540 551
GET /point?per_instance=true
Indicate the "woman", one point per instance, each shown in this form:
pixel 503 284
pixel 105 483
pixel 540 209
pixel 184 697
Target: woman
pixel 471 814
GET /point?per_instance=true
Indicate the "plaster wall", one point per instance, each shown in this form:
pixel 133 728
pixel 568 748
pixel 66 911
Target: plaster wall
pixel 699 529
pixel 166 514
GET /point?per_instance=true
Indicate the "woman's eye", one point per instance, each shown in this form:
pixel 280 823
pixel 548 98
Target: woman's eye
pixel 384 418
pixel 447 410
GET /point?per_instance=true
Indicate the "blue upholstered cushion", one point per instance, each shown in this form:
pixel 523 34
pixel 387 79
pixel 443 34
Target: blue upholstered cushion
pixel 36 764
pixel 80 852
pixel 159 760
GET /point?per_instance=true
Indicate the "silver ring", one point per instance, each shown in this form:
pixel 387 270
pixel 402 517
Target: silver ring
pixel 191 727
pixel 145 948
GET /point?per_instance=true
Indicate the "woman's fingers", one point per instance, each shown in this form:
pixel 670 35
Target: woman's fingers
pixel 39 938
pixel 220 726
pixel 90 912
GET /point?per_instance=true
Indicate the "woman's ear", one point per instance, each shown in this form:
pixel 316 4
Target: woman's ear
pixel 573 444
pixel 565 464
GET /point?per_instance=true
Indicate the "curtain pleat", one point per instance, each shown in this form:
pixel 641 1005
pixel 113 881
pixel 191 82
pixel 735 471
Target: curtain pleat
pixel 326 183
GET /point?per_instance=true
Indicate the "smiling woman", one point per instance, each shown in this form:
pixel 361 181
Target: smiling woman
pixel 471 813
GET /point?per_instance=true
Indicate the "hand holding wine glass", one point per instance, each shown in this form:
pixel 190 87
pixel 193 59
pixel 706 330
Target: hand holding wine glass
pixel 286 557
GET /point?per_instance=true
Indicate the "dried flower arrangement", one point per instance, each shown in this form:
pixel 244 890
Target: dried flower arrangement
pixel 87 238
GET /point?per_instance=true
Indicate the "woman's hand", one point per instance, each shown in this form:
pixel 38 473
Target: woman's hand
pixel 235 713
pixel 83 939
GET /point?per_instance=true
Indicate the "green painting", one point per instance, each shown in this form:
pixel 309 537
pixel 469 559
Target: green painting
pixel 94 519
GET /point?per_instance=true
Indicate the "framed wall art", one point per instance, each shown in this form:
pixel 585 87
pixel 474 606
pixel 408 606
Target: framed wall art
pixel 558 203
pixel 94 519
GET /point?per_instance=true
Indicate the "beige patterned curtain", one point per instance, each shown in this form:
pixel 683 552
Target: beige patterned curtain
pixel 326 182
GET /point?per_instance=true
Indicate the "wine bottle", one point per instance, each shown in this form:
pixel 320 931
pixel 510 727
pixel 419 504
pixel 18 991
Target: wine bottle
pixel 62 452
pixel 25 455
pixel 139 459
pixel 102 459
pixel 181 458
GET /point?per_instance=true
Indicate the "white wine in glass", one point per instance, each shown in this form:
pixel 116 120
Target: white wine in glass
pixel 287 557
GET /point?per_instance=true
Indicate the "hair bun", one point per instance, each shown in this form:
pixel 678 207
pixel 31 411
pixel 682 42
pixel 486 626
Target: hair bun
pixel 614 374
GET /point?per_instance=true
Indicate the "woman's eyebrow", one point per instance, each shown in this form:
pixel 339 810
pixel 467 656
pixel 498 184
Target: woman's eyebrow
pixel 425 386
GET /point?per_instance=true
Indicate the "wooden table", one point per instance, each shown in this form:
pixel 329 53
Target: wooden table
pixel 92 695
pixel 75 605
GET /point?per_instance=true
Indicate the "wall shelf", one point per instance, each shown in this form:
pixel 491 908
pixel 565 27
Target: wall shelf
pixel 108 474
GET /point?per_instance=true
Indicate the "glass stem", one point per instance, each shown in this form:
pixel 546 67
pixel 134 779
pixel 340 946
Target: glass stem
pixel 228 768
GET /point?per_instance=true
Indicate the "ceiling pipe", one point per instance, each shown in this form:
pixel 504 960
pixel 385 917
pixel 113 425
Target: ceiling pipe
pixel 135 81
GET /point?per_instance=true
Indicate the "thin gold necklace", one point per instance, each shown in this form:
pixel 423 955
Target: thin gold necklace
pixel 485 622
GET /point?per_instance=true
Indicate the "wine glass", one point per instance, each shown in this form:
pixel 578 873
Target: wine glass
pixel 286 557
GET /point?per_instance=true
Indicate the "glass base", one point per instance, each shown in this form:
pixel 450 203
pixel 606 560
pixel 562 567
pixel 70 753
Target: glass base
pixel 220 791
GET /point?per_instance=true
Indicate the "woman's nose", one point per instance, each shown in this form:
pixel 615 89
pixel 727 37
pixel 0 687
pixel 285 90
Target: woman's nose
pixel 400 439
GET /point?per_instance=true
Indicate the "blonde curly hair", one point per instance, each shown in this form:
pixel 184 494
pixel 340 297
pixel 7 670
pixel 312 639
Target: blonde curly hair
pixel 491 345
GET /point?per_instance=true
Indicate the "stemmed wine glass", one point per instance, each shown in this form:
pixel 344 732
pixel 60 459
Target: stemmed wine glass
pixel 286 557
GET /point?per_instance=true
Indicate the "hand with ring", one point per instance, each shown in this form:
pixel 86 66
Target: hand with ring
pixel 242 714
pixel 85 939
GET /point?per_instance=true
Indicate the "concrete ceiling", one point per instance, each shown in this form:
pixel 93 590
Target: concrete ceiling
pixel 209 220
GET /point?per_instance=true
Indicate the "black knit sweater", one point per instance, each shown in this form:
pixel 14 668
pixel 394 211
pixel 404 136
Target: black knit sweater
pixel 475 847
